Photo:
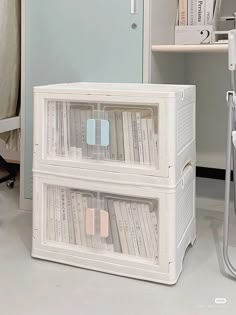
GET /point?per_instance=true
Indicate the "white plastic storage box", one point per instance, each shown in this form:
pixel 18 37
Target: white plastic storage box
pixel 139 129
pixel 138 231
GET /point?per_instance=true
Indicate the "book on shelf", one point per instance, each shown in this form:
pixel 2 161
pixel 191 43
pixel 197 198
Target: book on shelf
pixel 196 12
pixel 57 207
pixel 192 12
pixel 113 135
pixel 135 137
pixel 87 204
pixel 133 225
pixel 64 216
pixel 83 131
pixel 121 227
pixel 209 11
pixel 146 149
pixel 127 229
pixel 131 136
pixel 132 229
pixel 140 141
pixel 113 226
pixel 51 127
pixel 200 12
pixel 183 12
pixel 71 227
pixel 75 217
pixel 109 240
pixel 120 139
pixel 126 137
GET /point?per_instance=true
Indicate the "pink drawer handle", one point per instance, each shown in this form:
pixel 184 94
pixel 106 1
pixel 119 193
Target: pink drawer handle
pixel 104 223
pixel 90 221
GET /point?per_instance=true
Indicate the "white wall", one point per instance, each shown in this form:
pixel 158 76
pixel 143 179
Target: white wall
pixel 210 74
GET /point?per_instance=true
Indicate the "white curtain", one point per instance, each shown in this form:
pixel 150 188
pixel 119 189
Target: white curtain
pixel 9 64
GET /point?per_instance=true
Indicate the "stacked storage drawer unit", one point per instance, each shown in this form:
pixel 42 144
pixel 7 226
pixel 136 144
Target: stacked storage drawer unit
pixel 114 177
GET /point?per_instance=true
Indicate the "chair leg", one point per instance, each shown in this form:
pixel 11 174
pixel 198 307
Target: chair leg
pixel 10 169
pixel 234 178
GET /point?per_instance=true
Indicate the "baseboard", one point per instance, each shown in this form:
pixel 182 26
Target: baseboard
pixel 213 173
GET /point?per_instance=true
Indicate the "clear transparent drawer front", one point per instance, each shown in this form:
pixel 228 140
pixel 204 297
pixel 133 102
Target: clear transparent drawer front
pixel 103 132
pixel 103 222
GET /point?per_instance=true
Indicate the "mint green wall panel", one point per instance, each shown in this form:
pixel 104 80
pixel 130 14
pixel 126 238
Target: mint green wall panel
pixel 78 40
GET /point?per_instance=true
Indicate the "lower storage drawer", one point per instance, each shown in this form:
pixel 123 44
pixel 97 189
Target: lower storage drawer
pixel 102 221
pixel 140 232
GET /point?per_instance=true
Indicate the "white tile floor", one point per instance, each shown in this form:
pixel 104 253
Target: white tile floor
pixel 33 287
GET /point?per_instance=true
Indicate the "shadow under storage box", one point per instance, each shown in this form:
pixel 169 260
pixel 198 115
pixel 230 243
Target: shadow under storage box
pixel 114 177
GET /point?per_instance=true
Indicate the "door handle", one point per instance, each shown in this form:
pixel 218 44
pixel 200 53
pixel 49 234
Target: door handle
pixel 133 9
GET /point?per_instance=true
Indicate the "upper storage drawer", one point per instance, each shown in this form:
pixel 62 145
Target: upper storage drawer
pixel 107 132
pixel 132 135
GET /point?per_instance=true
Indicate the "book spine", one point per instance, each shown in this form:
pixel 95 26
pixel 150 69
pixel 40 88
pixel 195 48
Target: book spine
pixel 51 127
pixel 109 239
pixel 87 203
pixel 155 225
pixel 131 139
pixel 156 149
pixel 121 230
pixel 72 133
pixel 209 11
pixel 151 143
pixel 128 235
pixel 119 136
pixel 200 12
pixel 64 217
pixel 65 128
pixel 183 12
pixel 48 235
pixel 132 229
pixel 153 239
pixel 97 240
pixel 89 147
pixel 75 217
pixel 70 218
pixel 145 142
pixel 114 227
pixel 126 136
pixel 68 126
pixel 58 228
pixel 78 134
pixel 138 230
pixel 113 137
pixel 51 210
pixel 135 138
pixel 140 141
pixel 61 124
pixel 81 217
pixel 108 148
pixel 58 130
pixel 192 14
pixel 144 228
pixel 83 117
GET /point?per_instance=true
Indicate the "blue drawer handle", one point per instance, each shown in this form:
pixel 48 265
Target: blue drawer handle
pixel 98 132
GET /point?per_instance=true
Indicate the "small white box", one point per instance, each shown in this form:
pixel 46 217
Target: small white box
pixel 193 34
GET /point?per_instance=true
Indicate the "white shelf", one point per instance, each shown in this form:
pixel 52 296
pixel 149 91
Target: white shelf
pixel 190 48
